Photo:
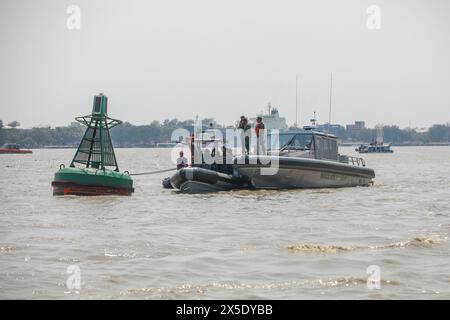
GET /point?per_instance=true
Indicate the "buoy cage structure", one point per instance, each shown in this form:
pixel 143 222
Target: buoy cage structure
pixel 94 169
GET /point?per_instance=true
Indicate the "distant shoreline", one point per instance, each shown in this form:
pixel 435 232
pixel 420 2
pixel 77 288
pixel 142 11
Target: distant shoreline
pixel 156 133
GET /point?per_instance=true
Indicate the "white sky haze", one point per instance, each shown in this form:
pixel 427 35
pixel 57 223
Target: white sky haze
pixel 179 58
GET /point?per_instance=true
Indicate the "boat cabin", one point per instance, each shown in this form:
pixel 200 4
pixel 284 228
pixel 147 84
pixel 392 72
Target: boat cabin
pixel 309 144
pixel 11 146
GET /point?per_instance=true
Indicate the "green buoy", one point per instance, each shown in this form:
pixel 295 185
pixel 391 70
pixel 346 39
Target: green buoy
pixel 97 172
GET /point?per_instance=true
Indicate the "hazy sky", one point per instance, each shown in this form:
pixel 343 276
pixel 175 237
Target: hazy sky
pixel 166 59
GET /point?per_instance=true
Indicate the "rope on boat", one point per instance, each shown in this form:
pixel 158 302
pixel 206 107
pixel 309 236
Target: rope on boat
pixel 152 172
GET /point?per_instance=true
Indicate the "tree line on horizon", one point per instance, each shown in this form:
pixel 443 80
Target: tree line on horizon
pixel 129 135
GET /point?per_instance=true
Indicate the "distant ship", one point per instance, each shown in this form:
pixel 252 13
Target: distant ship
pixel 272 119
pixel 166 144
pixel 376 147
pixel 13 148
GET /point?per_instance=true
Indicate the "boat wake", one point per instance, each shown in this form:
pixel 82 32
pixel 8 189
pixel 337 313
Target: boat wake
pixel 6 249
pixel 317 248
pixel 416 241
pixel 320 248
pixel 270 286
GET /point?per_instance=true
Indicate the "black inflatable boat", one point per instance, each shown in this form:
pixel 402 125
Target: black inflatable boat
pixel 199 180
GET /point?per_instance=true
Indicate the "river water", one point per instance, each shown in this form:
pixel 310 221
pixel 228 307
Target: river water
pixel 156 244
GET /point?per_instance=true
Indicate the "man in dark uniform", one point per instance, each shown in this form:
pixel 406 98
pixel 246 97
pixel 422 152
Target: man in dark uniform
pixel 260 143
pixel 245 135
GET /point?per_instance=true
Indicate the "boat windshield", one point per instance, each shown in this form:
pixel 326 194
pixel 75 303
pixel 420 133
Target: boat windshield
pixel 285 138
pixel 293 141
pixel 300 142
pixel 12 146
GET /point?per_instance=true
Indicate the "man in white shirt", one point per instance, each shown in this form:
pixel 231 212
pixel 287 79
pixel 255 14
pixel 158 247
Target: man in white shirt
pixel 182 161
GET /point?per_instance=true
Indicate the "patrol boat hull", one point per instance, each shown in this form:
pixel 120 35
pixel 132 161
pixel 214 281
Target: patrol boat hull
pixel 289 172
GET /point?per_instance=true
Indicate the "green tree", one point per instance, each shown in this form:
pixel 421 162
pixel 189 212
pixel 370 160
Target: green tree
pixel 43 136
pixel 2 134
pixel 439 133
pixel 29 142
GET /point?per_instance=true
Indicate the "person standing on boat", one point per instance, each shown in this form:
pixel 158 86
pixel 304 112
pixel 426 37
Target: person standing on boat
pixel 182 161
pixel 245 134
pixel 260 142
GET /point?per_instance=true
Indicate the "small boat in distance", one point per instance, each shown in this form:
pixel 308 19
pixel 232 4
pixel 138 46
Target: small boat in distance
pixel 165 144
pixel 374 148
pixel 13 148
pixel 378 146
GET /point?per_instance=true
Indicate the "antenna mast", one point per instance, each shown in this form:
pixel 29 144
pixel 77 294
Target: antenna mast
pixel 296 101
pixel 331 93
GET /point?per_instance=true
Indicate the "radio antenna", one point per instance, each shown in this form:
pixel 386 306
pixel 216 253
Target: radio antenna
pixel 296 101
pixel 331 93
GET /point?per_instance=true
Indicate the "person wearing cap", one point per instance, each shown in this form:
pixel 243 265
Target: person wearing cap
pixel 245 134
pixel 260 142
pixel 182 161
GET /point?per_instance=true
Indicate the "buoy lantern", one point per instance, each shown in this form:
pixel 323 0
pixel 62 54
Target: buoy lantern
pixel 97 172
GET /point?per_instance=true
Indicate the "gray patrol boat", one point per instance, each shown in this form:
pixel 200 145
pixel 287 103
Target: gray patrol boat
pixel 307 159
